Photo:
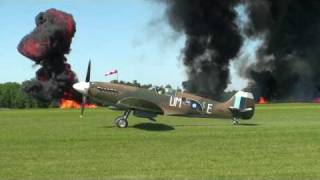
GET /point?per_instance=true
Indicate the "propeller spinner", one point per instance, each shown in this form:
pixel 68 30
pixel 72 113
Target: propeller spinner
pixel 83 88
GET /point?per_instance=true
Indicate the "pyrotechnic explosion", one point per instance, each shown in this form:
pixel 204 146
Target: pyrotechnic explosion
pixel 47 46
pixel 286 66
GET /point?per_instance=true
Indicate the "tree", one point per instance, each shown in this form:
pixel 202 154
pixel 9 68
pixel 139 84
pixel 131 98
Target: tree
pixel 134 83
pixel 12 96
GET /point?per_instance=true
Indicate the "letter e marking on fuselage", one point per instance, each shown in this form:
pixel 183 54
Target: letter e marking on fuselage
pixel 209 108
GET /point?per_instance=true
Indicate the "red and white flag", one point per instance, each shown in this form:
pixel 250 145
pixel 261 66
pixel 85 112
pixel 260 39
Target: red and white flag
pixel 111 72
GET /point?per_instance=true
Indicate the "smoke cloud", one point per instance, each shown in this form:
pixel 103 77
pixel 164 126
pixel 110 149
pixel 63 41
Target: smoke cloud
pixel 212 40
pixel 287 62
pixel 287 66
pixel 47 45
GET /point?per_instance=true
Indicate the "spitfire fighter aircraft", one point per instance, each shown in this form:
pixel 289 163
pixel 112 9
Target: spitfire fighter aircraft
pixel 148 103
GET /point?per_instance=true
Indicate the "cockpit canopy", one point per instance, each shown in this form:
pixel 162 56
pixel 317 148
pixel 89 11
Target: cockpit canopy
pixel 164 91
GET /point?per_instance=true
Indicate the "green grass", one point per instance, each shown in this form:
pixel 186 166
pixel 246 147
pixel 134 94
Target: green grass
pixel 281 142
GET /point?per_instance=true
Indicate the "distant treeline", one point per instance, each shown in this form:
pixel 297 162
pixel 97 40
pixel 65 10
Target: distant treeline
pixel 137 84
pixel 225 96
pixel 12 95
pixel 133 83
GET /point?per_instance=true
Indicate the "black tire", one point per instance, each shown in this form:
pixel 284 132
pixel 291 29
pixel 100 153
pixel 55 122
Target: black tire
pixel 121 122
pixel 116 119
pixel 235 123
pixel 247 115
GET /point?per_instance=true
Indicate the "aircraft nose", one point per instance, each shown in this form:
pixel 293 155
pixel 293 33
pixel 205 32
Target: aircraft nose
pixel 81 87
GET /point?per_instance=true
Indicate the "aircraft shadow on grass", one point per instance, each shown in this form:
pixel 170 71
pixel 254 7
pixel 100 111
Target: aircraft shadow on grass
pixel 153 127
pixel 164 127
pixel 248 124
pixel 149 127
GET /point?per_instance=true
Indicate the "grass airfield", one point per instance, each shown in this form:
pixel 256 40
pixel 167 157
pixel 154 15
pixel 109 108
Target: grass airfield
pixel 281 142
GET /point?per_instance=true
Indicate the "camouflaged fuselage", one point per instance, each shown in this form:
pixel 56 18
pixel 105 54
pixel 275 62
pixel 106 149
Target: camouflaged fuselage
pixel 174 104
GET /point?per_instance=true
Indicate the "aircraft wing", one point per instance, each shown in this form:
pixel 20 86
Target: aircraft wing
pixel 140 104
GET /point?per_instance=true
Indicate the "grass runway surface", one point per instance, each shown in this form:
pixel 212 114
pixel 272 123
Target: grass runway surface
pixel 282 141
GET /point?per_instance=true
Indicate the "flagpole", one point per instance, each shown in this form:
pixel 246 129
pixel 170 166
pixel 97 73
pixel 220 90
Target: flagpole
pixel 118 77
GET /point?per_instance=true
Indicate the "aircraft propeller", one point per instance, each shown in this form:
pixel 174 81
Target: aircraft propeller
pixel 83 88
pixel 84 96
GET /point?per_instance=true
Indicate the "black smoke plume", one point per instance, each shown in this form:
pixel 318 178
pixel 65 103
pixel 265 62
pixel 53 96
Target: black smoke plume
pixel 288 61
pixel 287 66
pixel 213 39
pixel 47 45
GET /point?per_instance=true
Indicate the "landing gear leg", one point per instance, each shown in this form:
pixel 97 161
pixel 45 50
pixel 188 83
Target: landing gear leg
pixel 235 121
pixel 122 121
pixel 152 119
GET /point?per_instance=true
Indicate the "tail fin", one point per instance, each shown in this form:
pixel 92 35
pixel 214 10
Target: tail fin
pixel 242 105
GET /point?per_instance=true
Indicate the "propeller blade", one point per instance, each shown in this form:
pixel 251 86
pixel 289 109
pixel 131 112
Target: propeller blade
pixel 83 103
pixel 84 97
pixel 88 72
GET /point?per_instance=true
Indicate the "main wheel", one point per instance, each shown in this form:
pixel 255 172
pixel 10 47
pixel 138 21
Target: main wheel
pixel 121 122
pixel 117 118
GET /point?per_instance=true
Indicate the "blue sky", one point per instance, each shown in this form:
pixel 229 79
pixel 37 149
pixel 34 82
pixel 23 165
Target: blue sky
pixel 114 34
